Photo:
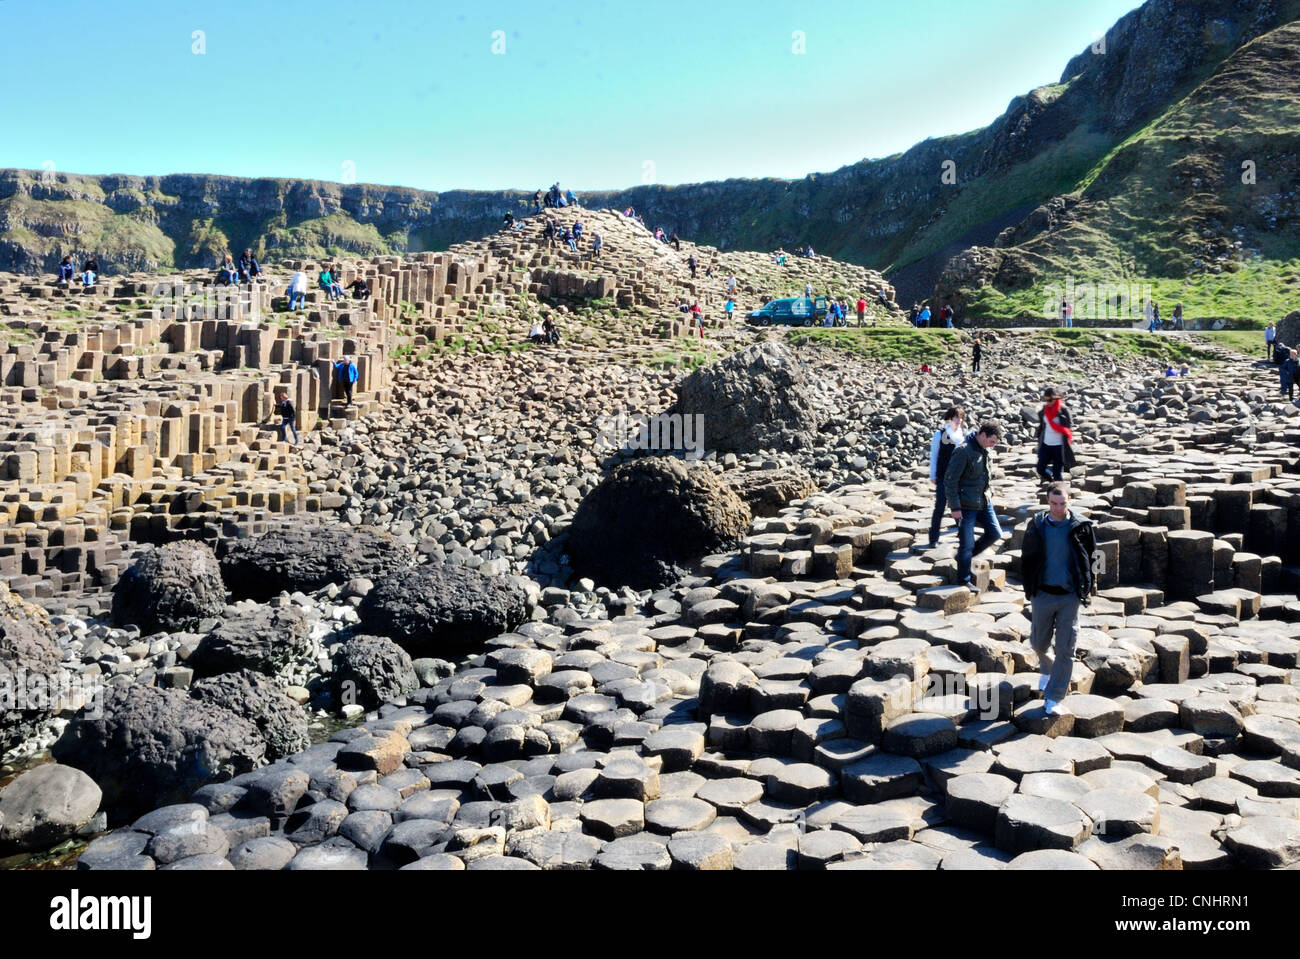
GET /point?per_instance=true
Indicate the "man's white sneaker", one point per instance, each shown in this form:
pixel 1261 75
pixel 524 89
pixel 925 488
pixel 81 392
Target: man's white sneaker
pixel 1053 707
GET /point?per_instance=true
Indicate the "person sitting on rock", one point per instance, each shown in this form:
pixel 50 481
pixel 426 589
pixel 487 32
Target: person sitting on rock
pixel 91 265
pixel 571 198
pixel 508 221
pixel 297 291
pixel 360 289
pixel 551 330
pixel 227 275
pixel 569 239
pixel 326 282
pixel 248 267
pixel 66 270
pixel 577 231
pixel 537 334
pixel 284 409
pixel 548 232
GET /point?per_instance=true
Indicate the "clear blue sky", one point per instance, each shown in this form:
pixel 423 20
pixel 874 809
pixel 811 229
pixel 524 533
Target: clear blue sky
pixel 410 92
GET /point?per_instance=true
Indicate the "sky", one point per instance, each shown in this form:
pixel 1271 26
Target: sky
pixel 448 94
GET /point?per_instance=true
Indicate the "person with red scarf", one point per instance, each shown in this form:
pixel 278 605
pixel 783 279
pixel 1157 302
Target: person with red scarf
pixel 1055 438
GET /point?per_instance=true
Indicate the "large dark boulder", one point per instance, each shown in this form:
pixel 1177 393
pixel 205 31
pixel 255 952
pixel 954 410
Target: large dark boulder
pixel 307 557
pixel 281 721
pixel 752 400
pixel 438 608
pixel 265 639
pixel 156 746
pixel 650 518
pixel 29 663
pixel 171 587
pixel 370 670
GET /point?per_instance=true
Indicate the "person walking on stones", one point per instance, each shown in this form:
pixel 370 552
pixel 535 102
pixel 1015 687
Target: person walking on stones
pixel 1270 336
pixel 1289 371
pixel 548 232
pixel 1055 435
pixel 297 292
pixel 966 485
pixel 946 438
pixel 731 284
pixel 690 261
pixel 676 241
pixel 345 374
pixel 284 409
pixel 1056 568
pixel 597 243
pixel 976 352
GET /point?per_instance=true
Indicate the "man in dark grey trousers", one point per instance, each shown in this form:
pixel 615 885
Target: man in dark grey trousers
pixel 1056 568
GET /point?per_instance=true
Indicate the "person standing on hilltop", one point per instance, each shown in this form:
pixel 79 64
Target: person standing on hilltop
pixel 1270 335
pixel 947 438
pixel 976 353
pixel 571 198
pixel 1055 436
pixel 1056 568
pixel 966 485
pixel 537 202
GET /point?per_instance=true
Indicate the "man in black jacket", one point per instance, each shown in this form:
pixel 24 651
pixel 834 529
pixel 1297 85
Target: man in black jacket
pixel 1056 567
pixel 966 484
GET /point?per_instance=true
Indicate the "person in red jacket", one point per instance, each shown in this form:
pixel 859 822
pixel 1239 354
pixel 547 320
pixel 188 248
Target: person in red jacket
pixel 862 310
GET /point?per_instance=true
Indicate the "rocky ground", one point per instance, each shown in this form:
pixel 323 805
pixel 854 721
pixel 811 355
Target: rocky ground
pixel 813 695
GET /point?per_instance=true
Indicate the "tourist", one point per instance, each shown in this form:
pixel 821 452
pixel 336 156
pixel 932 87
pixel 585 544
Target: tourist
pixel 508 221
pixel 325 281
pixel 691 262
pixel 569 239
pixel 976 352
pixel 549 231
pixel 537 202
pixel 577 231
pixel 946 439
pixel 862 310
pixel 1270 335
pixel 249 269
pixel 1067 314
pixel 227 275
pixel 336 288
pixel 1148 312
pixel 360 288
pixel 91 265
pixel 966 484
pixel 560 200
pixel 914 314
pixel 597 244
pixel 284 409
pixel 697 318
pixel 550 330
pixel 297 291
pixel 1156 322
pixel 345 375
pixel 1289 371
pixel 571 198
pixel 537 334
pixel 89 277
pixel 1055 435
pixel 883 297
pixel 66 270
pixel 731 284
pixel 945 316
pixel 729 307
pixel 1178 317
pixel 708 271
pixel 808 290
pixel 925 367
pixel 923 320
pixel 1056 569
pixel 676 241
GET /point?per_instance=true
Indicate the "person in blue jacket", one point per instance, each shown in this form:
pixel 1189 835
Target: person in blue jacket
pixel 345 374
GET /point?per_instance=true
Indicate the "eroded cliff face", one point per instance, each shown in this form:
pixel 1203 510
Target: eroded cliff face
pixel 885 213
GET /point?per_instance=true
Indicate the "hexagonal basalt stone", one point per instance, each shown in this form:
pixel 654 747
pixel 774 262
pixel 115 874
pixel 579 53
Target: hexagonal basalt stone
pixel 1265 842
pixel 700 851
pixel 869 824
pixel 677 746
pixel 817 850
pixel 801 784
pixel 669 816
pixel 920 734
pixel 1051 859
pixel 731 793
pixel 1144 715
pixel 1025 823
pixel 880 777
pixel 635 853
pixel 1120 812
pixel 614 818
pixel 975 798
pixel 1094 715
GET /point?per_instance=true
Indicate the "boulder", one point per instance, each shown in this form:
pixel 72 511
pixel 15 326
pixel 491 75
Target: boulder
pixel 265 639
pixel 29 657
pixel 44 806
pixel 436 608
pixel 752 400
pixel 156 746
pixel 308 556
pixel 249 694
pixel 370 670
pixel 172 587
pixel 766 491
pixel 649 518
